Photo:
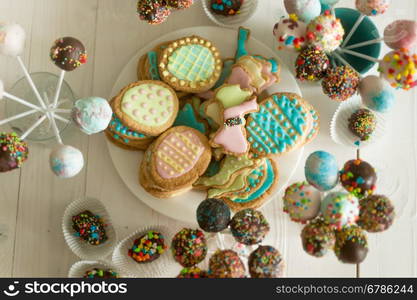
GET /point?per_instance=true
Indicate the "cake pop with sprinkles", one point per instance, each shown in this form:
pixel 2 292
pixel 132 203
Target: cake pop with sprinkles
pixel 306 10
pixel 266 262
pixel 318 237
pixel 399 68
pixel 226 7
pixel 377 213
pixel 193 272
pixel 189 247
pixel 302 202
pixel 340 83
pixel 226 264
pixel 358 178
pixel 340 209
pixel 92 115
pixel 68 53
pixel 90 228
pixel 362 123
pixel 325 32
pixel 101 273
pixel 13 152
pixel 213 215
pixel 179 4
pixel 372 7
pixel 376 94
pixel 290 33
pixel 351 245
pixel 311 64
pixel 148 247
pixel 153 11
pixel 249 226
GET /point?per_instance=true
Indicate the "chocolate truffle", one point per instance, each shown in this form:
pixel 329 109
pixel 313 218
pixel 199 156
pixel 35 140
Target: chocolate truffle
pixel 68 53
pixel 265 262
pixel 89 227
pixel 311 64
pixel 340 83
pixel 193 272
pixel 317 238
pixel 351 245
pixel 153 11
pixel 213 215
pixel 13 152
pixel 189 247
pixel 376 214
pixel 148 247
pixel 226 264
pixel 100 273
pixel 362 123
pixel 226 7
pixel 359 178
pixel 249 226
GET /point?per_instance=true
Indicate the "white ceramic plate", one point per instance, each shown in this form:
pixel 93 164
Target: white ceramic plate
pixel 183 207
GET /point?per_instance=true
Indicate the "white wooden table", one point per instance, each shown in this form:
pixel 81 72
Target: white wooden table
pixel 32 200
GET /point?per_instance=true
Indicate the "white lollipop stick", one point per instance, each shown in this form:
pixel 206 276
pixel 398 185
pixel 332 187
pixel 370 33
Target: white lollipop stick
pixel 343 61
pixel 19 116
pixel 31 83
pixel 360 55
pixel 60 110
pixel 33 127
pixel 58 88
pixel 353 30
pixel 55 128
pixel 21 101
pixel 59 118
pixel 363 44
pixel 220 240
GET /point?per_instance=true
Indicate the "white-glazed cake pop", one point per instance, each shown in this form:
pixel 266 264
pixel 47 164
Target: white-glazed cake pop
pixel 12 39
pixel 399 68
pixel 306 10
pixel 92 115
pixel 325 32
pixel 302 202
pixel 372 7
pixel 376 93
pixel 340 209
pixel 66 161
pixel 401 34
pixel 290 33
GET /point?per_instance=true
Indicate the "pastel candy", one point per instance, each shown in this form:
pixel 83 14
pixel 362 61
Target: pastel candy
pixel 66 161
pixel 321 170
pixel 377 94
pixel 401 34
pixel 302 202
pixel 399 68
pixel 92 114
pixel 340 209
pixel 290 34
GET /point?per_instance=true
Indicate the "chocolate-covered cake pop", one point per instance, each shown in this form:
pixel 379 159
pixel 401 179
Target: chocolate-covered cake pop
pixel 193 272
pixel 90 228
pixel 148 247
pixel 311 64
pixel 153 11
pixel 265 262
pixel 189 247
pixel 340 83
pixel 101 273
pixel 249 226
pixel 359 178
pixel 362 123
pixel 179 4
pixel 226 264
pixel 377 213
pixel 68 53
pixel 318 237
pixel 13 151
pixel 213 215
pixel 226 7
pixel 351 245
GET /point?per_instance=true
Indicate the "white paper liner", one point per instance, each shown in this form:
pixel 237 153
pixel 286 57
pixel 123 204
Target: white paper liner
pixel 80 247
pixel 163 267
pixel 247 10
pixel 79 269
pixel 339 126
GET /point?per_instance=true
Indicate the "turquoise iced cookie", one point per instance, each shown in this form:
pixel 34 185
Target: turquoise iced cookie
pixel 187 117
pixel 322 171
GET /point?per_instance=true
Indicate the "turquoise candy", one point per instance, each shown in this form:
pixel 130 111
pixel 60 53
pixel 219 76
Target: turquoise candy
pixel 187 117
pixel 321 170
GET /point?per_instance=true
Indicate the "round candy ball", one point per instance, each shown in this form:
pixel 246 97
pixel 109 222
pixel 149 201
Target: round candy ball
pixel 12 39
pixel 68 53
pixel 376 94
pixel 318 237
pixel 226 7
pixel 148 247
pixel 311 64
pixel 13 152
pixel 266 262
pixel 226 264
pixel 372 7
pixel 66 161
pixel 249 226
pixel 306 10
pixel 302 202
pixel 92 114
pixel 290 34
pixel 189 247
pixel 362 123
pixel 325 32
pixel 340 209
pixel 351 245
pixel 377 213
pixel 321 170
pixel 340 83
pixel 153 12
pixel 359 178
pixel 213 215
pixel 401 34
pixel 399 68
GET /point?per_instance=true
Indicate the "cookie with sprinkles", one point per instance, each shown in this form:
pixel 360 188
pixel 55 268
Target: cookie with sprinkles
pixel 13 152
pixel 362 123
pixel 68 53
pixel 189 247
pixel 318 237
pixel 377 213
pixel 154 12
pixel 226 264
pixel 351 245
pixel 340 83
pixel 148 247
pixel 249 226
pixel 359 178
pixel 266 262
pixel 101 273
pixel 90 228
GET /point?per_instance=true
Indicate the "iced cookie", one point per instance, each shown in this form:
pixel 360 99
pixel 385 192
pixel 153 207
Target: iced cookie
pixel 149 107
pixel 226 71
pixel 188 116
pixel 148 63
pixel 191 64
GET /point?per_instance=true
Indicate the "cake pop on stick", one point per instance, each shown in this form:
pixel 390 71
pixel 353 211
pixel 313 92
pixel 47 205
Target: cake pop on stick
pixel 13 152
pixel 399 68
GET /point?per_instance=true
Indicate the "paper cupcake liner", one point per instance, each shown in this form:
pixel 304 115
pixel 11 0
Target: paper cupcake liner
pixel 79 269
pixel 80 247
pixel 163 267
pixel 339 126
pixel 247 10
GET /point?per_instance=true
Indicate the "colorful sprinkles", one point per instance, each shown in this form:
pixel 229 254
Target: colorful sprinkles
pixel 362 123
pixel 13 151
pixel 249 226
pixel 350 243
pixel 89 227
pixel 101 273
pixel 148 247
pixel 265 262
pixel 311 64
pixel 318 237
pixel 226 7
pixel 377 213
pixel 153 11
pixel 193 272
pixel 340 83
pixel 226 264
pixel 189 247
pixel 359 178
pixel 400 69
